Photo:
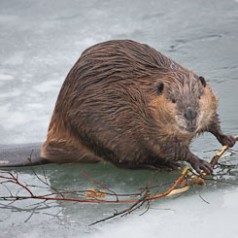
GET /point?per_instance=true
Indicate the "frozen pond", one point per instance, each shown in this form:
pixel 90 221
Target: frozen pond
pixel 41 40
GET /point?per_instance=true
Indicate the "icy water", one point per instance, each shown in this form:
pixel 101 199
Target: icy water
pixel 39 43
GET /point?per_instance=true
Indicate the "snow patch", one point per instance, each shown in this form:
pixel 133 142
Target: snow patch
pixel 6 77
pixel 47 86
pixel 12 118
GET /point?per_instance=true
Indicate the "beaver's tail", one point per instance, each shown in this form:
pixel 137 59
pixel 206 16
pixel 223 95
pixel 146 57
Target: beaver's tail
pixel 20 155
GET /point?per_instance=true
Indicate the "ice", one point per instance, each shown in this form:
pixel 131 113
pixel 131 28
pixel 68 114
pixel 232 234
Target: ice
pixel 15 118
pixel 183 217
pixel 49 86
pixel 39 43
pixel 6 77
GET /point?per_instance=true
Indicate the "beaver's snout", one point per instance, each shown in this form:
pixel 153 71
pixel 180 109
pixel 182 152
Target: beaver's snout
pixel 190 114
pixel 191 119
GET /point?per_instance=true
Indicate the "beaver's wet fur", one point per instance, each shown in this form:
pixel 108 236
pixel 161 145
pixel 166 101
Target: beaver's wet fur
pixel 126 103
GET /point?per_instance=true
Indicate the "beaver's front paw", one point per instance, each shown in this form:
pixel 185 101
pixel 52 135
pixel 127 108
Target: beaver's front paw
pixel 201 165
pixel 227 140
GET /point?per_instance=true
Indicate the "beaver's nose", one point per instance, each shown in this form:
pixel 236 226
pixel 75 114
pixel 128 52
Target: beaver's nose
pixel 190 114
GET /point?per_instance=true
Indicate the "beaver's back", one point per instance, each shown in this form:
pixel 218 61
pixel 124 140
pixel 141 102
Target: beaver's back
pixel 118 61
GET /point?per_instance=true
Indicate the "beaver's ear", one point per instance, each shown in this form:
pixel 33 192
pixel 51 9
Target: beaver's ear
pixel 160 88
pixel 203 81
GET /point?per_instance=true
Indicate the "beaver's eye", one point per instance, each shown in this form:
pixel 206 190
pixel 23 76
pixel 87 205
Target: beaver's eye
pixel 173 100
pixel 160 88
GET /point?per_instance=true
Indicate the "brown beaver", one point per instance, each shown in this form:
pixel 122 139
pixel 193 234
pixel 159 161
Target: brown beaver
pixel 126 103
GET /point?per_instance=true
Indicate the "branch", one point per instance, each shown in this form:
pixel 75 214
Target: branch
pixel 218 155
pixel 184 181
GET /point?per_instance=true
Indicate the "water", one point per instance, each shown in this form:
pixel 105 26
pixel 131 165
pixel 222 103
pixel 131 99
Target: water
pixel 41 40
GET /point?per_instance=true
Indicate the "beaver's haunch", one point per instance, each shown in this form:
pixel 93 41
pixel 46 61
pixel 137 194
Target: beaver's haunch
pixel 126 103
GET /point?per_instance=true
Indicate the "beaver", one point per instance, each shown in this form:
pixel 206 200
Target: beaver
pixel 126 103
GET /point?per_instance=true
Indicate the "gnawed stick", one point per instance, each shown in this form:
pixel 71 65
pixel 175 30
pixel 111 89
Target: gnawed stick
pixel 218 155
pixel 191 178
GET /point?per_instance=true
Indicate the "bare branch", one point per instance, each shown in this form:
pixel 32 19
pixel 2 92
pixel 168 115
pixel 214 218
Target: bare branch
pixel 106 196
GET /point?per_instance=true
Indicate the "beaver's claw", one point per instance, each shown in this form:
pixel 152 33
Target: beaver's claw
pixel 201 165
pixel 227 140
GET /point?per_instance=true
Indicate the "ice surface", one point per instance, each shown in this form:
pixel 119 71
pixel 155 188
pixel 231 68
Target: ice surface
pixel 183 217
pixel 41 40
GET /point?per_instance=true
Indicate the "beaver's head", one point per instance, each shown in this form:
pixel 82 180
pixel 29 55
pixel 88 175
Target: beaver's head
pixel 186 105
